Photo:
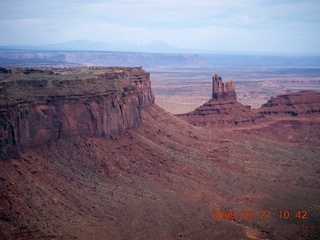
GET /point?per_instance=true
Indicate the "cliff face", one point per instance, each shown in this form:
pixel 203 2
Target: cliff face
pixel 40 105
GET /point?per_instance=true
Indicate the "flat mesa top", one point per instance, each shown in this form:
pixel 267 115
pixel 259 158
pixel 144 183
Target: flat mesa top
pixel 45 73
pixel 35 84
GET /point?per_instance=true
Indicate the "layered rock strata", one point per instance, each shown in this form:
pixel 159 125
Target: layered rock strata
pixel 224 110
pixel 40 105
pixel 298 103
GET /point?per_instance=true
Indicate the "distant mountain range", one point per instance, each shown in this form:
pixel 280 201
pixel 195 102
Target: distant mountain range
pixel 135 46
pixel 115 46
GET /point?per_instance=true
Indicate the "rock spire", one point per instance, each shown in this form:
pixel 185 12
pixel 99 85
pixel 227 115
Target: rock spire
pixel 221 90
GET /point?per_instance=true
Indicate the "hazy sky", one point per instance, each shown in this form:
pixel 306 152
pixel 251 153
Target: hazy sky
pixel 229 25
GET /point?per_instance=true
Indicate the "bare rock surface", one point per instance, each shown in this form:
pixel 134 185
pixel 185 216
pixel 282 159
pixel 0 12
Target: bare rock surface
pixel 38 105
pixel 222 109
pixel 221 90
pixel 298 103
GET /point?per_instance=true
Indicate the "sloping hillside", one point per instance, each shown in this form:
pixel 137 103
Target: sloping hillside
pixel 162 180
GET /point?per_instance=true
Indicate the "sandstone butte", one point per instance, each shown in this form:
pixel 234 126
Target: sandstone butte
pixel 40 105
pixel 85 153
pixel 223 109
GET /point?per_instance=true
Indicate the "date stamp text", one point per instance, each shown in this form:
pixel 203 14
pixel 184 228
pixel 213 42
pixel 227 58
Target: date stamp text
pixel 262 214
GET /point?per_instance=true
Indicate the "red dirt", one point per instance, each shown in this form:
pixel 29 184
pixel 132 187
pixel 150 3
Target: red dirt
pixel 163 180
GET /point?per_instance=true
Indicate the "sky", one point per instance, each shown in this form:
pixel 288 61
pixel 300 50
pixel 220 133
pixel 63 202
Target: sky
pixel 216 25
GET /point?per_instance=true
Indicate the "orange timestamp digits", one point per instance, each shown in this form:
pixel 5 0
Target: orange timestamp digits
pixel 301 214
pixel 263 214
pixel 227 214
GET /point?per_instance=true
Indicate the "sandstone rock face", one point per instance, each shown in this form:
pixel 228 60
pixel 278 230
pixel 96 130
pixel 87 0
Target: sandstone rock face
pixel 222 110
pixel 220 113
pixel 298 103
pixel 41 105
pixel 221 90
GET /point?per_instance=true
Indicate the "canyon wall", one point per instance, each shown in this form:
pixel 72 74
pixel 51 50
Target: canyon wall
pixel 41 105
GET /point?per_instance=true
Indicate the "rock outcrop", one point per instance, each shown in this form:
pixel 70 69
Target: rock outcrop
pixel 219 113
pixel 298 103
pixel 223 110
pixel 40 105
pixel 221 90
